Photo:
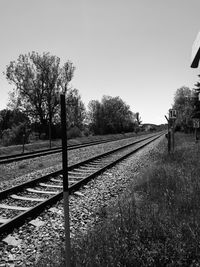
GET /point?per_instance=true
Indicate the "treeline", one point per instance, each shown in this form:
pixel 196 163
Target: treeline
pixel 187 105
pixel 33 110
pixel 111 115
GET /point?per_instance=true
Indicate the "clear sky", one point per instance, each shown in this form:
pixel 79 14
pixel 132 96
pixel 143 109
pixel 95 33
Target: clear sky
pixel 139 50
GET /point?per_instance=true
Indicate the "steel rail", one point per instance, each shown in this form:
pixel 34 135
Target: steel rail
pixel 49 151
pixel 19 187
pixel 34 211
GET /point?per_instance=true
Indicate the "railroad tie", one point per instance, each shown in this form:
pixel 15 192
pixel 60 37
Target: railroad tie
pixel 88 168
pixel 56 180
pixel 28 198
pixel 3 206
pixel 42 192
pixel 50 185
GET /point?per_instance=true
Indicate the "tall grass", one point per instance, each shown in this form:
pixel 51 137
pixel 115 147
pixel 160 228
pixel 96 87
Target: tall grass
pixel 156 223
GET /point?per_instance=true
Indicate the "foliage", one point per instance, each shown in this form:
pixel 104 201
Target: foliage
pixel 10 118
pixel 16 135
pixel 13 125
pixel 184 104
pixel 111 115
pixel 95 116
pixel 153 224
pixel 196 99
pixel 74 132
pixel 75 109
pixel 197 85
pixel 38 80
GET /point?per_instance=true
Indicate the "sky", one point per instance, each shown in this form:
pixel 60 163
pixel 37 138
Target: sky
pixel 139 50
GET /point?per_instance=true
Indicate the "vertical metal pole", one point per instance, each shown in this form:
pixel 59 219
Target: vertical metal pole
pixel 49 134
pixel 65 181
pixel 173 136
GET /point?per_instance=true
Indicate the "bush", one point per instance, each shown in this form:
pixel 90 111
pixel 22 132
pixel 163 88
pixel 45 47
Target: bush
pixel 8 137
pixel 14 136
pixel 86 131
pixel 74 132
pixel 34 136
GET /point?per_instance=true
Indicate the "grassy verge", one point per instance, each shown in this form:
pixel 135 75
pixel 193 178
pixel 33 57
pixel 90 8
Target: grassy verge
pixel 155 224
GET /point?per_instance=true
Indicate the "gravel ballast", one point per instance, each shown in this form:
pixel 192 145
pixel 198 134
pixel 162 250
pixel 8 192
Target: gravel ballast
pixel 15 173
pixel 86 208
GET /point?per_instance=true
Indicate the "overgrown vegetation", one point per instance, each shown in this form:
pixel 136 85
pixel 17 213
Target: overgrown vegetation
pixel 155 224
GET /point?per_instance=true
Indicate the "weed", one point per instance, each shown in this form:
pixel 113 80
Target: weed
pixel 159 225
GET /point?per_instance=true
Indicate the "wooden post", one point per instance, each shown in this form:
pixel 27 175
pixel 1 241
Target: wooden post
pixel 65 181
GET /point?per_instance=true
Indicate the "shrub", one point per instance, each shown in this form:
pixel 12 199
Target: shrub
pixel 15 135
pixel 8 137
pixel 74 132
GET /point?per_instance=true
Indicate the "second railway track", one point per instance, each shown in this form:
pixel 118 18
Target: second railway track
pixel 27 200
pixel 44 152
pixel 48 151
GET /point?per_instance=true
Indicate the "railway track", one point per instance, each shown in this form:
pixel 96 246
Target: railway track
pixel 27 200
pixel 44 152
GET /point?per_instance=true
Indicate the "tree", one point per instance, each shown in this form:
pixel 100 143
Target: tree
pixel 117 114
pixel 14 127
pixel 75 109
pixel 38 81
pixel 112 115
pixel 196 99
pixel 184 104
pixel 95 116
pixel 12 118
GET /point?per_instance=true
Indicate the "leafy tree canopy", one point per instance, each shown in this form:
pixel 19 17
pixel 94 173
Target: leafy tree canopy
pixel 111 115
pixel 184 104
pixel 10 118
pixel 38 81
pixel 75 109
